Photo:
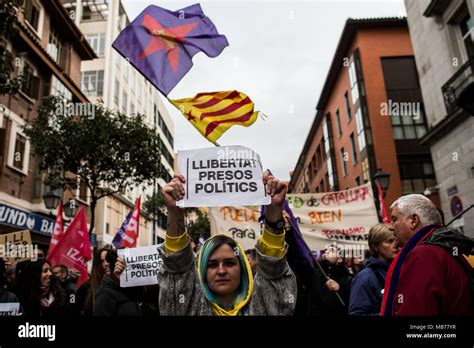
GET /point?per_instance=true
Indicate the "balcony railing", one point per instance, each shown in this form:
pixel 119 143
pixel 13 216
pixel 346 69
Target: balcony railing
pixel 456 84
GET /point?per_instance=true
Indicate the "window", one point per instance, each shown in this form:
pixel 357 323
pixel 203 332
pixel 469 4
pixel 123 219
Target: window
pixel 31 82
pixel 132 80
pixel 54 46
pixel 166 154
pixel 116 93
pixel 353 81
pixel 353 148
pixel 416 176
pixel 348 107
pixel 327 148
pixel 18 149
pixel 321 186
pixel 317 159
pixel 20 145
pixel 357 181
pixel 92 83
pixel 82 191
pixel 313 167
pixel 404 105
pixel 124 102
pixel 467 31
pixel 338 120
pixel 343 156
pixel 32 13
pixel 132 108
pixel 97 42
pixel 59 89
pixel 360 130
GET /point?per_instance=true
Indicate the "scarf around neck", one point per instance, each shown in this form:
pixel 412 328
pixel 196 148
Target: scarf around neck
pixel 203 257
pixel 393 274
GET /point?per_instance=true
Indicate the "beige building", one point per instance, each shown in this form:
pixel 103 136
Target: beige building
pixel 113 80
pixel 442 33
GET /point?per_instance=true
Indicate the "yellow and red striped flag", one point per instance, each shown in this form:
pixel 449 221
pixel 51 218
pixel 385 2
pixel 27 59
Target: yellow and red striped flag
pixel 215 112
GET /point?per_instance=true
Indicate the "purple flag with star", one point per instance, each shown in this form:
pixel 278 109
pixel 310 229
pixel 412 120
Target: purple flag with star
pixel 161 43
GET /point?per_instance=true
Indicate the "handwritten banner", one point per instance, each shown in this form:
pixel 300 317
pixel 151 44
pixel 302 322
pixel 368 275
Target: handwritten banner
pixel 343 217
pixel 240 223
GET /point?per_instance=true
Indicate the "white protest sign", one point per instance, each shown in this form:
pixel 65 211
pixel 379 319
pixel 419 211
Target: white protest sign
pixel 9 309
pixel 141 266
pixel 240 223
pixel 220 176
pixel 342 217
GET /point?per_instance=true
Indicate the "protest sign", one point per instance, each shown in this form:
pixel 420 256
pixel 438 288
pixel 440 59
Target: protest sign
pixel 343 217
pixel 17 246
pixel 9 309
pixel 220 176
pixel 141 266
pixel 240 223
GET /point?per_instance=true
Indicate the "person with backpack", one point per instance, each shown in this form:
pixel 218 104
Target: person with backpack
pixel 430 276
pixel 367 286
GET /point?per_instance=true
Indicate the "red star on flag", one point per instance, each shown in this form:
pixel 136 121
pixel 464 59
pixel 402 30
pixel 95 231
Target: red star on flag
pixel 165 38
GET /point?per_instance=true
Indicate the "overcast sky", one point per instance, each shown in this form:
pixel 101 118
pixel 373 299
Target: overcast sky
pixel 279 54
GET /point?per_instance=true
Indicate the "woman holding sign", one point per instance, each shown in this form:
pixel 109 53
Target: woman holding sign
pixel 219 281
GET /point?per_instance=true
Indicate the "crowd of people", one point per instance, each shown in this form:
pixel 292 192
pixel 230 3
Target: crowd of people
pixel 414 266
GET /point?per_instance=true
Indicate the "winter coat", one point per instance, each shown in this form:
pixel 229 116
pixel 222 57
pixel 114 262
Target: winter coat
pixel 433 278
pixel 112 300
pixel 324 302
pixel 274 291
pixel 366 289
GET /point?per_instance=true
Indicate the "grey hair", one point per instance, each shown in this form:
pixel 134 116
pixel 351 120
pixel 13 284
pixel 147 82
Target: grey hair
pixel 419 205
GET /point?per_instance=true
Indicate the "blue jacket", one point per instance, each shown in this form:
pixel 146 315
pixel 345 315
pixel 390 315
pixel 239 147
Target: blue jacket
pixel 366 291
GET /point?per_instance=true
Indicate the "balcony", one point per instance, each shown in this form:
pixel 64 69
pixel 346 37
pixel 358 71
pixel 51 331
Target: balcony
pixel 453 88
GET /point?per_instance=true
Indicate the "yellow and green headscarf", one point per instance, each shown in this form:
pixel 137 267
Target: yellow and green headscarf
pixel 245 289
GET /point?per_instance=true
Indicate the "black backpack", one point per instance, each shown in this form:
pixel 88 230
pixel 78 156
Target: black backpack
pixel 458 246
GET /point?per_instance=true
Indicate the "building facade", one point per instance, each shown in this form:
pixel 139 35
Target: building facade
pixel 48 50
pixel 114 81
pixel 442 33
pixel 369 116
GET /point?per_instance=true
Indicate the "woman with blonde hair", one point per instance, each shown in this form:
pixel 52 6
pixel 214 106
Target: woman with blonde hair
pixel 368 284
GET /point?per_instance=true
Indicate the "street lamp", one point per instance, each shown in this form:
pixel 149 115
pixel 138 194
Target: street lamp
pixel 70 208
pixel 383 178
pixel 51 199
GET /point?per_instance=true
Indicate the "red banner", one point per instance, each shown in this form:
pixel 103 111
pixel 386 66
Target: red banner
pixel 58 229
pixel 73 249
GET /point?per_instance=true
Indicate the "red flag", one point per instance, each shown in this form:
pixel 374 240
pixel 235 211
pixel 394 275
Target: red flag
pixel 58 228
pixel 129 238
pixel 383 207
pixel 74 249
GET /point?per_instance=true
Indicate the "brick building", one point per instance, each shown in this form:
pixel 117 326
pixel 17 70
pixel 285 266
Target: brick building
pixel 369 116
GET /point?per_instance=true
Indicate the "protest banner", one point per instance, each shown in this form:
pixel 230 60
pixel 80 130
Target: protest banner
pixel 17 246
pixel 342 217
pixel 142 265
pixel 221 176
pixel 240 223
